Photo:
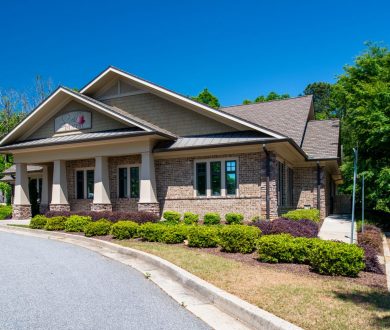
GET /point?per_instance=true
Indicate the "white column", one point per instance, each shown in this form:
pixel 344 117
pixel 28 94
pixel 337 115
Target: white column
pixel 21 196
pixel 101 194
pixel 147 179
pixel 45 186
pixel 60 185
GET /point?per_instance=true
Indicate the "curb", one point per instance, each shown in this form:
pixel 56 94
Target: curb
pixel 251 315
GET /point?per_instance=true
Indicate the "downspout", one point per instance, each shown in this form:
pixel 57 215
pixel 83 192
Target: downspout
pixel 267 174
pixel 318 186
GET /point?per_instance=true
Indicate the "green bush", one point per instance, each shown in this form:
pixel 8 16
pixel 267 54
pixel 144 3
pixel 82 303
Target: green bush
pixel 212 219
pixel 190 218
pixel 203 236
pixel 76 223
pixel 55 223
pixel 124 229
pixel 38 222
pixel 311 214
pixel 99 228
pixel 234 218
pixel 5 212
pixel 174 234
pixel 336 258
pixel 172 216
pixel 151 232
pixel 238 238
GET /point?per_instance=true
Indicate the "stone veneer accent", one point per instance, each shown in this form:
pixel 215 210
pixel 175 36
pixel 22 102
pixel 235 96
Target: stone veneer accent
pixel 59 207
pixel 149 207
pixel 175 187
pixel 101 207
pixel 21 212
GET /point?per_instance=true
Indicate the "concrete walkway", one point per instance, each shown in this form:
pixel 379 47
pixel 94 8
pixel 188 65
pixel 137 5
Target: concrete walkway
pixel 337 227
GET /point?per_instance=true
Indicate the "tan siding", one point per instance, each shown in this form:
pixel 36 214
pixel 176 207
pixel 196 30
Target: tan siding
pixel 100 122
pixel 168 115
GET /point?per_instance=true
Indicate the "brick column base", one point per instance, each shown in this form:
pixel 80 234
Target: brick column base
pixel 21 212
pixel 60 207
pixel 101 207
pixel 149 207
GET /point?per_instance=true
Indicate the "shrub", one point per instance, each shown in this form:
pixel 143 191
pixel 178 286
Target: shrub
pixel 299 228
pixel 212 219
pixel 55 223
pixel 311 214
pixel 98 228
pixel 203 236
pixel 256 218
pixel 238 238
pixel 5 211
pixel 76 223
pixel 371 237
pixel 174 234
pixel 52 214
pixel 172 216
pixel 371 260
pixel 234 218
pixel 190 218
pixel 124 229
pixel 38 222
pixel 151 232
pixel 335 258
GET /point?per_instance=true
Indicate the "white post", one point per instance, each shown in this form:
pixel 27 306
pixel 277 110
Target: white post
pixel 60 185
pixel 21 196
pixel 101 185
pixel 147 179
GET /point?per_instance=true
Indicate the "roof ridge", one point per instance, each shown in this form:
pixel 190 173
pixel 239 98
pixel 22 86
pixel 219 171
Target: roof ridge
pixel 329 119
pixel 268 102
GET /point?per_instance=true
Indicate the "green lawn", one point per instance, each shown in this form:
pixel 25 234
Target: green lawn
pixel 5 211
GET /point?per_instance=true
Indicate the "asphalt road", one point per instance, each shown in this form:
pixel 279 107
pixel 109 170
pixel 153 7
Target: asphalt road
pixel 47 284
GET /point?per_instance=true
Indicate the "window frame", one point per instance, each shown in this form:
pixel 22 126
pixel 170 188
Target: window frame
pixel 223 161
pixel 128 186
pixel 85 186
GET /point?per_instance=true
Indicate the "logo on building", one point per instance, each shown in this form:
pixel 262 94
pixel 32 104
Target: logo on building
pixel 73 121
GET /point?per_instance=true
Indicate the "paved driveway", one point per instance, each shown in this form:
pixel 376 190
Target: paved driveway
pixel 52 285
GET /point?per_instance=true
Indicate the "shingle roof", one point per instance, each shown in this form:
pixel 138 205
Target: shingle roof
pixel 321 139
pixel 213 140
pixel 287 117
pixel 30 168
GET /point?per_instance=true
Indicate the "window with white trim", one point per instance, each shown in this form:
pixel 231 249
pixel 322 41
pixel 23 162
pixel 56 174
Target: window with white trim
pixel 216 177
pixel 128 181
pixel 85 183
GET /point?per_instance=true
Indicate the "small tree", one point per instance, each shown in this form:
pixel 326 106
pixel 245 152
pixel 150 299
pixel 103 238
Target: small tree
pixel 207 98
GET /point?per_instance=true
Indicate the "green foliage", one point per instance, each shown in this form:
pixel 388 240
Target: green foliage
pixel 212 218
pixel 336 258
pixel 151 232
pixel 38 222
pixel 76 223
pixel 6 189
pixel 99 228
pixel 322 99
pixel 311 214
pixel 207 98
pixel 55 223
pixel 362 95
pixel 272 96
pixel 174 234
pixel 203 236
pixel 238 238
pixel 234 218
pixel 124 229
pixel 172 216
pixel 5 212
pixel 190 218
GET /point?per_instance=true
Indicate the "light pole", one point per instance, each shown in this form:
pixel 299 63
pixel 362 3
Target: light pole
pixel 355 152
pixel 363 203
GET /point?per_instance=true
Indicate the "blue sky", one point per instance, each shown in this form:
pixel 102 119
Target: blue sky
pixel 238 49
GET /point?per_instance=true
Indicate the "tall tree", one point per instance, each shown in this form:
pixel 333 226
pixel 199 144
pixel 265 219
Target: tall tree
pixel 207 98
pixel 272 96
pixel 362 95
pixel 323 99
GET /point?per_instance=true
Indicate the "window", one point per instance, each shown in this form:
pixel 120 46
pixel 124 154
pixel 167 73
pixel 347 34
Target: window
pixel 85 183
pixel 128 182
pixel 216 177
pixel 231 177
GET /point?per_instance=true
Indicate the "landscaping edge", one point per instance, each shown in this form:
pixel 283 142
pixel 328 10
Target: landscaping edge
pixel 249 314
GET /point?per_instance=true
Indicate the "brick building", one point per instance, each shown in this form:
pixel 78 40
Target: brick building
pixel 123 143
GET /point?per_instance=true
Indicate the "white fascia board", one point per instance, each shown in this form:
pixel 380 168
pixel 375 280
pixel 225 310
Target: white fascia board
pixel 181 98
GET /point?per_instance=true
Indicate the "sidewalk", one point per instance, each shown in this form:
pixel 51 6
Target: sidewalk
pixel 338 227
pixel 14 222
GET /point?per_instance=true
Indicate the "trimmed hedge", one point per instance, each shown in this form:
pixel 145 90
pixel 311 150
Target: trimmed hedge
pixel 38 222
pixel 151 232
pixel 203 236
pixel 98 228
pixel 212 219
pixel 190 218
pixel 311 214
pixel 174 234
pixel 76 223
pixel 172 216
pixel 296 228
pixel 55 223
pixel 238 238
pixel 124 229
pixel 234 218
